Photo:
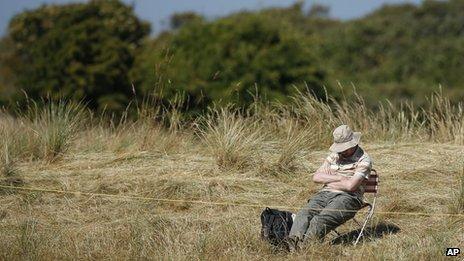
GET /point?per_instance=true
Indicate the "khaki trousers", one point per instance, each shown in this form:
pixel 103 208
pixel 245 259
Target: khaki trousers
pixel 315 224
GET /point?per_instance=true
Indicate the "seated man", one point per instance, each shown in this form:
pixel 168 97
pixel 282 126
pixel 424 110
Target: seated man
pixel 342 174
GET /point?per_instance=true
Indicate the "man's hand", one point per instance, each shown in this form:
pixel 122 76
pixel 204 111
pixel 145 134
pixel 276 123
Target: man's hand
pixel 325 175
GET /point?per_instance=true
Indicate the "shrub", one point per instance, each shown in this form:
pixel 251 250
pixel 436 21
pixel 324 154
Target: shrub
pixel 226 60
pixel 77 51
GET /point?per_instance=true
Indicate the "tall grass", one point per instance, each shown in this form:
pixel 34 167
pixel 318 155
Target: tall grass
pixel 236 138
pixel 439 121
pixel 7 167
pixel 445 120
pixel 41 132
pixel 7 142
pixel 232 138
pixel 153 128
pixel 16 142
pixel 310 112
pixel 55 125
pixel 273 137
pixel 139 135
pixel 296 141
pixel 290 148
pixel 457 205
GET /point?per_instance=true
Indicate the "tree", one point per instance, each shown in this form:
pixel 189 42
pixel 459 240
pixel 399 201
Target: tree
pixel 78 51
pixel 399 51
pixel 226 60
pixel 319 11
pixel 178 20
pixel 7 76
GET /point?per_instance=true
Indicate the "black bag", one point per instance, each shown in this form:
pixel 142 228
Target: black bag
pixel 275 225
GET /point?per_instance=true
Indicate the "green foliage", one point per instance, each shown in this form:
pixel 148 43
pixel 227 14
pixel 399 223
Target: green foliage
pixel 7 76
pixel 90 51
pixel 178 20
pixel 399 51
pixel 228 59
pixel 77 51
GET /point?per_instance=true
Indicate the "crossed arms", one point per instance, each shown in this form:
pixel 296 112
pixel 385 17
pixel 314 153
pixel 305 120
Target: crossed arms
pixel 325 175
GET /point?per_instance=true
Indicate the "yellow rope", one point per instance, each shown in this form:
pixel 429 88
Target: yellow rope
pixel 122 197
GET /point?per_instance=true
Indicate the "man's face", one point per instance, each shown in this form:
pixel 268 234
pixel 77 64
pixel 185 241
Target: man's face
pixel 349 152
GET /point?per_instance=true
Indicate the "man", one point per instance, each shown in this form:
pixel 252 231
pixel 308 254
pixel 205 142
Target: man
pixel 342 175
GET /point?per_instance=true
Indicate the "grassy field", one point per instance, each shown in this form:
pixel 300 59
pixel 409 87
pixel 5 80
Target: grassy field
pixel 265 156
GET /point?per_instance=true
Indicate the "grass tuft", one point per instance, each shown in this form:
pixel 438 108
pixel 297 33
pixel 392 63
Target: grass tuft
pixel 234 140
pixel 457 205
pixel 7 165
pixel 55 125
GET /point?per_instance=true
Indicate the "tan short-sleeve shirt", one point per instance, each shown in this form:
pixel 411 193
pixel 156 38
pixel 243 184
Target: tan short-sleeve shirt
pixel 359 164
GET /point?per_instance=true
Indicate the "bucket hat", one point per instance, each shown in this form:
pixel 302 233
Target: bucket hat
pixel 344 138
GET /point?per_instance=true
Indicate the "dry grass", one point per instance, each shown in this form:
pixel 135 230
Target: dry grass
pixel 457 206
pixel 55 125
pixel 42 132
pixel 231 137
pixel 222 158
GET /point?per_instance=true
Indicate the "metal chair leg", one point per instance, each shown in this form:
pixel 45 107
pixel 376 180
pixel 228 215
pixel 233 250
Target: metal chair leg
pixel 369 215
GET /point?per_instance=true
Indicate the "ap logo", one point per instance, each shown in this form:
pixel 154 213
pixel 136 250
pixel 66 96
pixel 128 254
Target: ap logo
pixel 453 251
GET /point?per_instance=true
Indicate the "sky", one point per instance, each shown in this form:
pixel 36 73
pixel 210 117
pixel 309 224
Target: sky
pixel 158 11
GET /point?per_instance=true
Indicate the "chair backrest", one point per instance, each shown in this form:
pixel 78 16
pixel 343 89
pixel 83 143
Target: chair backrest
pixel 372 184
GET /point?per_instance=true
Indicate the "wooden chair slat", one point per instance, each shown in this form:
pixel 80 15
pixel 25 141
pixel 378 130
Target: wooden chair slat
pixel 370 189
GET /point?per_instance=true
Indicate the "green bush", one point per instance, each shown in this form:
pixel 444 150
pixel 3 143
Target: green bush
pixel 90 51
pixel 79 51
pixel 227 60
pixel 399 51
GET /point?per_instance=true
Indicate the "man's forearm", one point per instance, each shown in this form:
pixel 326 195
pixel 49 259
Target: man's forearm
pixel 347 184
pixel 325 178
pixel 343 185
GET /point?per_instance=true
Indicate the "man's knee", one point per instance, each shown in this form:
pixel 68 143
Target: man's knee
pixel 318 228
pixel 301 223
pixel 321 225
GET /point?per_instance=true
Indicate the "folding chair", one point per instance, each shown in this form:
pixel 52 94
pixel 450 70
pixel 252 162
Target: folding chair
pixel 370 186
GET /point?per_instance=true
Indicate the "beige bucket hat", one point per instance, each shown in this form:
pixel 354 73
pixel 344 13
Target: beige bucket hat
pixel 344 138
